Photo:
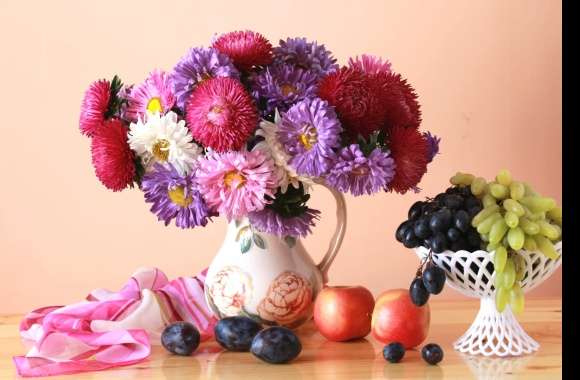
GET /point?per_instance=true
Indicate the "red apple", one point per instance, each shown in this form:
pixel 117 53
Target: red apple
pixel 344 312
pixel 397 319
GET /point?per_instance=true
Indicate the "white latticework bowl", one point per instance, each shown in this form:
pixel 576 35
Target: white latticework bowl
pixel 472 273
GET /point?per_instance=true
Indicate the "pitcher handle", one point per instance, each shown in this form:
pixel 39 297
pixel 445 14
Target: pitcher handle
pixel 336 241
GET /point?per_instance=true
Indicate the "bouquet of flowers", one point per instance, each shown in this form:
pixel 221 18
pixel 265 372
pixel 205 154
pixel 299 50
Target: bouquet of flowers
pixel 243 129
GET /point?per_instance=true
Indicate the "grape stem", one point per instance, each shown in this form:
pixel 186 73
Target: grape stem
pixel 427 259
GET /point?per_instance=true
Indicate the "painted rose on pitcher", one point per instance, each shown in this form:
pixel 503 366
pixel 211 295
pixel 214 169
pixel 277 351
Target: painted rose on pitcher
pixel 230 290
pixel 289 299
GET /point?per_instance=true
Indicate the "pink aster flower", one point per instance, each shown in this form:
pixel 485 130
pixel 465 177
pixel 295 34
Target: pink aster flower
pixel 94 107
pixel 236 183
pixel 370 64
pixel 221 114
pixel 155 94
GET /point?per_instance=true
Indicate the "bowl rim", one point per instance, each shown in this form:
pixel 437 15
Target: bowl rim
pixel 487 257
pixel 479 252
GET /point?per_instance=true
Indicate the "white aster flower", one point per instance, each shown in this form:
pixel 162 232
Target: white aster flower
pixel 271 146
pixel 164 139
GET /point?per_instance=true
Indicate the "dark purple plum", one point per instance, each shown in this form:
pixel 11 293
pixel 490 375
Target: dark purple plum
pixel 236 333
pixel 276 345
pixel 180 338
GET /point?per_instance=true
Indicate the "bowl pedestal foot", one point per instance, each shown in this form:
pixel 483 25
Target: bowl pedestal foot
pixel 495 334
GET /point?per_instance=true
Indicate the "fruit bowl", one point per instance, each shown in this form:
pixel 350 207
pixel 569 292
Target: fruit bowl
pixel 472 274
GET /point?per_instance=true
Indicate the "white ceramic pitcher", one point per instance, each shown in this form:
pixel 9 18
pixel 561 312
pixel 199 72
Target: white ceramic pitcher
pixel 268 278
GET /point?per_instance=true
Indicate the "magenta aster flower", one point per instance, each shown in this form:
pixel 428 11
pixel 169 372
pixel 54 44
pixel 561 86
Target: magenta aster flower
pixel 269 221
pixel 175 196
pixel 358 174
pixel 370 64
pixel 309 132
pixel 196 66
pixel 306 55
pixel 280 86
pixel 236 183
pixel 155 94
pixel 221 114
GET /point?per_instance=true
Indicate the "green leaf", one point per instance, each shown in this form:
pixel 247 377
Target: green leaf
pixel 241 232
pixel 290 204
pixel 115 102
pixel 259 241
pixel 290 241
pixel 373 141
pixel 139 171
pixel 116 84
pixel 246 244
pixel 257 318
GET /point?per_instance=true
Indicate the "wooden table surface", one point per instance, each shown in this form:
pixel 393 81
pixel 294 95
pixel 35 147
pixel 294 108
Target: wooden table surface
pixel 321 359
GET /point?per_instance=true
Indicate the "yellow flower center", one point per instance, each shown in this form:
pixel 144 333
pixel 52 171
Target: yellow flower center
pixel 154 105
pixel 161 150
pixel 216 109
pixel 202 78
pixel 308 138
pixel 287 89
pixel 234 178
pixel 178 197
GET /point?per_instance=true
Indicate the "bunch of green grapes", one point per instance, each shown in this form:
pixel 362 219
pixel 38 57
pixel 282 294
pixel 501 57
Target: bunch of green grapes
pixel 514 217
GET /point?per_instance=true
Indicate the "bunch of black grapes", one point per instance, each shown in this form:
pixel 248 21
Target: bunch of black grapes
pixel 443 223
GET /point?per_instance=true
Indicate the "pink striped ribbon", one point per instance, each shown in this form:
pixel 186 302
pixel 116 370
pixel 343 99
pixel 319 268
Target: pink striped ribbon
pixel 111 329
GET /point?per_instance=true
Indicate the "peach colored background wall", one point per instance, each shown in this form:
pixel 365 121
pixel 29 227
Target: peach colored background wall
pixel 488 74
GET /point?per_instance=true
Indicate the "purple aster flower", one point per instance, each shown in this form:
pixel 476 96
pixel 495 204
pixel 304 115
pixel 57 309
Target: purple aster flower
pixel 432 145
pixel 309 132
pixel 358 174
pixel 307 55
pixel 175 197
pixel 124 94
pixel 269 221
pixel 280 86
pixel 197 65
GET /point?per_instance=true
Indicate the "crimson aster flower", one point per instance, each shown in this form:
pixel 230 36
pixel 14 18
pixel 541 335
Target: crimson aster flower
pixel 112 158
pixel 94 106
pixel 357 99
pixel 246 48
pixel 399 101
pixel 221 114
pixel 410 150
